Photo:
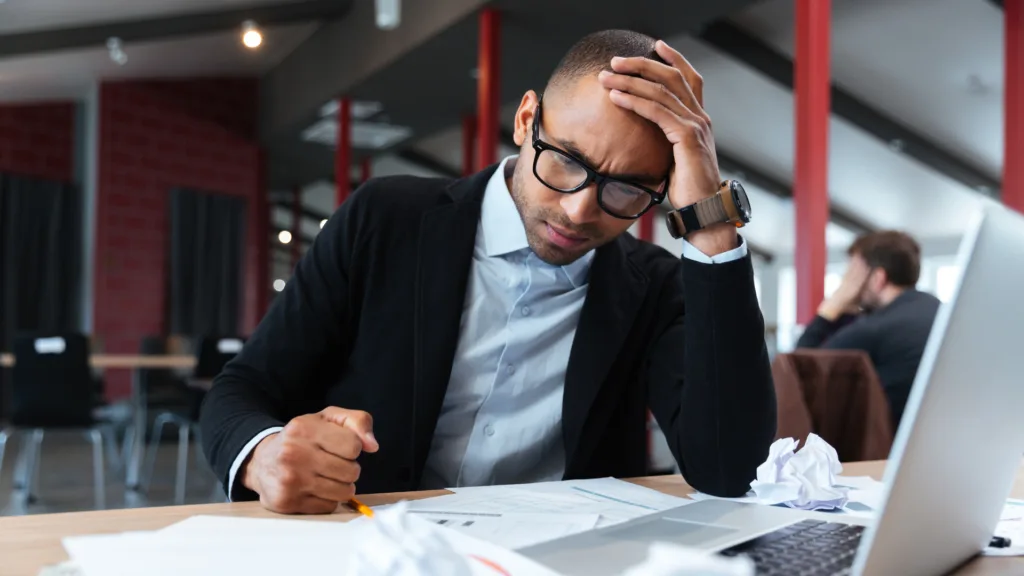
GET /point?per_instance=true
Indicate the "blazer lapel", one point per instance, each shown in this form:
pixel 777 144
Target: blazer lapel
pixel 445 252
pixel 614 296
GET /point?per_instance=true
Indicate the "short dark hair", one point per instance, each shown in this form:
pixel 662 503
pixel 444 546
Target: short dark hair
pixel 895 252
pixel 594 52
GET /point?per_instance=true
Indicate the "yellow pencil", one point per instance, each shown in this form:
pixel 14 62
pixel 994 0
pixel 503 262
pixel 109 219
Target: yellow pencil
pixel 360 507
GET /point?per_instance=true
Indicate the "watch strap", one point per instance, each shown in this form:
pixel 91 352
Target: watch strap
pixel 710 211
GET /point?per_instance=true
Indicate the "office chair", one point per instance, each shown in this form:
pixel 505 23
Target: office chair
pixel 212 354
pixel 52 390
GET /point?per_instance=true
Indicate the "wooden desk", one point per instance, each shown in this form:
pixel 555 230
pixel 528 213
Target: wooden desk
pixel 28 543
pixel 125 361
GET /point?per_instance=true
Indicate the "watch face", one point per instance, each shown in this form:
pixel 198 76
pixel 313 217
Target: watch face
pixel 739 198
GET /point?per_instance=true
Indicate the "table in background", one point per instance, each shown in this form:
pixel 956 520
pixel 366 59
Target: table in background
pixel 27 543
pixel 133 362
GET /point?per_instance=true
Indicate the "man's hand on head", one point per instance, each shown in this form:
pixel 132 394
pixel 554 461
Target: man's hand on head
pixel 846 298
pixel 309 467
pixel 672 96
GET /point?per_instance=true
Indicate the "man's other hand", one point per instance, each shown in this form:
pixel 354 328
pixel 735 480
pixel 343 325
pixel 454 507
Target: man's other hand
pixel 309 466
pixel 846 298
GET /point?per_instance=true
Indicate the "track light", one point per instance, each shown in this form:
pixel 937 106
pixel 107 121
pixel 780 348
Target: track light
pixel 284 237
pixel 279 285
pixel 251 36
pixel 322 224
pixel 116 50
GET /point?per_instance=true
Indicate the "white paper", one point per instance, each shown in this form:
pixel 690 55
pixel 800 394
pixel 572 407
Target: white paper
pixel 864 496
pixel 211 545
pixel 664 559
pixel 804 479
pixel 512 530
pixel 614 500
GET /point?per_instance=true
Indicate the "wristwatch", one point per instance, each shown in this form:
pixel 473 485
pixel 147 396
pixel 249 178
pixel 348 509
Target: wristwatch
pixel 729 204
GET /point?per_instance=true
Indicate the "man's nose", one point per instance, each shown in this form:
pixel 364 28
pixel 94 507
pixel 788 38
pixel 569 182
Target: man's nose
pixel 582 207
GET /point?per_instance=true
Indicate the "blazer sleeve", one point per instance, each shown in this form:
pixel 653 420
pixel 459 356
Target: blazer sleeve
pixel 709 379
pixel 299 345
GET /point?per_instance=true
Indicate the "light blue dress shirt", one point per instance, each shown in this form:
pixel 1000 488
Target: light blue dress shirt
pixel 501 419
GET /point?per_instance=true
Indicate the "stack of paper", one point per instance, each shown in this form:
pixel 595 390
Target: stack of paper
pixel 571 505
pixel 863 497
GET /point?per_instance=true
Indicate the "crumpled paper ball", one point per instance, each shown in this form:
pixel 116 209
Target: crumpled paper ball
pixel 394 543
pixel 804 479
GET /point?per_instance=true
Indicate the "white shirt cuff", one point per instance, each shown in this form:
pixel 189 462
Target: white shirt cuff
pixel 692 253
pixel 244 453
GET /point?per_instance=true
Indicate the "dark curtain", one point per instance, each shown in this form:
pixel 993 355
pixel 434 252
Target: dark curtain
pixel 40 260
pixel 207 252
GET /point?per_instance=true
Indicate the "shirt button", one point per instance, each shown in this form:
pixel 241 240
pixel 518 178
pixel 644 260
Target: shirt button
pixel 526 310
pixel 489 430
pixel 510 369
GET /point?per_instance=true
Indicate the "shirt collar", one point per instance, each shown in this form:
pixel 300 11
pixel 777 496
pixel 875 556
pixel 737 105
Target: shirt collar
pixel 502 226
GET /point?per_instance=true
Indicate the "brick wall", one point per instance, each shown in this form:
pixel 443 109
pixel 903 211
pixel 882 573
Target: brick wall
pixel 155 136
pixel 38 140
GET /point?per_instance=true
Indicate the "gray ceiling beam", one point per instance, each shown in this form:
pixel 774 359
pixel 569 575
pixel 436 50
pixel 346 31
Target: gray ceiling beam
pixel 756 178
pixel 342 54
pixel 96 35
pixel 413 156
pixel 314 215
pixel 755 53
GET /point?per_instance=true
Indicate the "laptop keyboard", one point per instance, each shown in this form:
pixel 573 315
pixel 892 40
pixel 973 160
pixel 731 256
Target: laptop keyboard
pixel 808 548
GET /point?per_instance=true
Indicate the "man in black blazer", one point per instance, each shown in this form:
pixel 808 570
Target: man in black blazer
pixel 503 328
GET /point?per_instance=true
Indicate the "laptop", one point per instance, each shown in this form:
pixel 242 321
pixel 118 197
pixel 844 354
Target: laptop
pixel 952 464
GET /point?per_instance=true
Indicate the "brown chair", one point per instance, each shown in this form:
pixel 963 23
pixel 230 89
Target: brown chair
pixel 837 395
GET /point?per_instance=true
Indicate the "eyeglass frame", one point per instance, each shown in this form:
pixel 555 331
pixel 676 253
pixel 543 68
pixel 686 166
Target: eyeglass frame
pixel 540 146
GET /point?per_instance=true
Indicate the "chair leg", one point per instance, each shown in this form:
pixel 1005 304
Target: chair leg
pixel 197 433
pixel 109 433
pixel 32 471
pixel 4 434
pixel 179 481
pixel 127 445
pixel 151 450
pixel 98 479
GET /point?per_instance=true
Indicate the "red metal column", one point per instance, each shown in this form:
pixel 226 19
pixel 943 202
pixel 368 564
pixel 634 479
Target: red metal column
pixel 343 152
pixel 262 238
pixel 365 169
pixel 647 225
pixel 1013 107
pixel 468 143
pixel 810 186
pixel 296 225
pixel 489 68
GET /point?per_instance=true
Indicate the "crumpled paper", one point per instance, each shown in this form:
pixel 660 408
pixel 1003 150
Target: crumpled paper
pixel 664 559
pixel 804 479
pixel 394 543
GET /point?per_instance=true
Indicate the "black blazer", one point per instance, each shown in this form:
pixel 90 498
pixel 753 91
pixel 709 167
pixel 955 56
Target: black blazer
pixel 370 321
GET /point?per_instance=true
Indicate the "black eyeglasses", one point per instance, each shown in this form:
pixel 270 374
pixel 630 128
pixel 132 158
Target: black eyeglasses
pixel 563 172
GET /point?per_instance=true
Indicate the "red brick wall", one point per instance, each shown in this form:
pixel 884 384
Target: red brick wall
pixel 155 136
pixel 38 140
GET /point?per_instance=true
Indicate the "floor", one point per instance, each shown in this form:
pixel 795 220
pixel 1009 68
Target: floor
pixel 66 485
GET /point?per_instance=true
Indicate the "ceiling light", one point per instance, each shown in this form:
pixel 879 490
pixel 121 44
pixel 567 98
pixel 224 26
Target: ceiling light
pixel 116 50
pixel 322 223
pixel 251 36
pixel 278 285
pixel 284 236
pixel 389 14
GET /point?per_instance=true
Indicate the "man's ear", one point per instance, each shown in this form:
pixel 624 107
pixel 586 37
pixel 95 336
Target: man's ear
pixel 878 278
pixel 524 117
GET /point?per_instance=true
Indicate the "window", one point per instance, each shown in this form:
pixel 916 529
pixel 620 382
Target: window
pixel 946 278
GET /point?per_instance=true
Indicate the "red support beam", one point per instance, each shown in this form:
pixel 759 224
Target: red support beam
pixel 262 237
pixel 647 225
pixel 468 143
pixel 1013 112
pixel 343 152
pixel 296 225
pixel 810 186
pixel 365 170
pixel 487 96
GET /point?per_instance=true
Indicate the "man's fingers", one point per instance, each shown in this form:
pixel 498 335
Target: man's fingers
pixel 338 469
pixel 355 420
pixel 679 62
pixel 673 127
pixel 645 89
pixel 331 490
pixel 338 441
pixel 671 78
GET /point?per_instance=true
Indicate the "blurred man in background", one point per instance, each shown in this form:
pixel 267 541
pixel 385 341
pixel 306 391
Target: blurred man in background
pixel 877 309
